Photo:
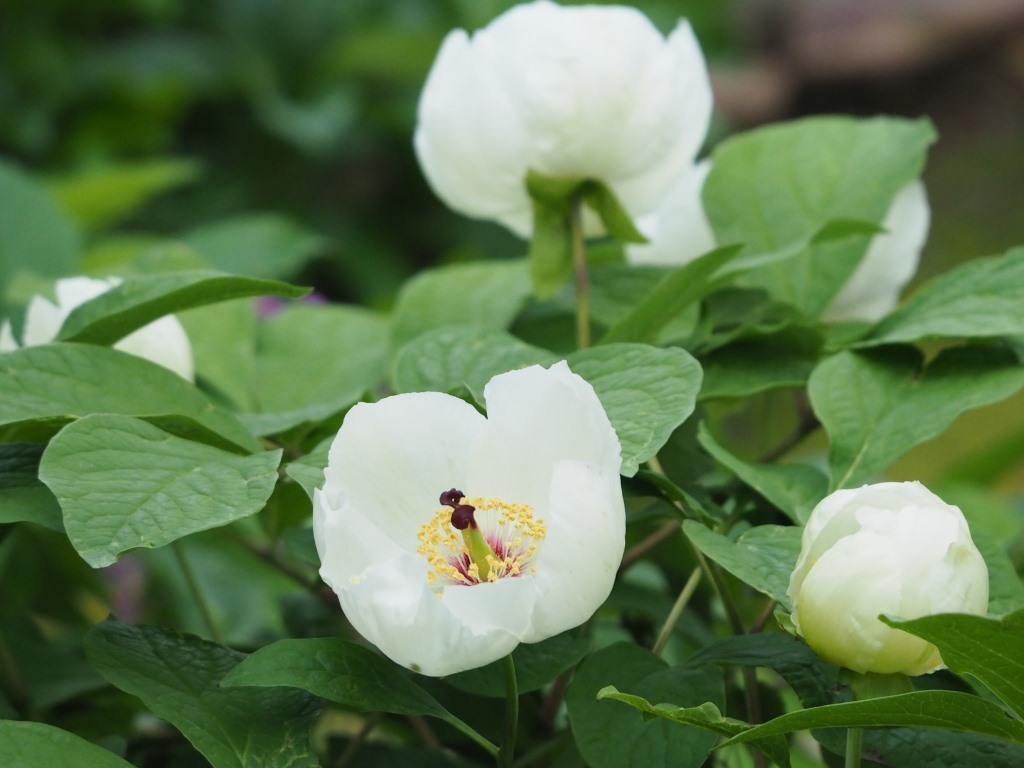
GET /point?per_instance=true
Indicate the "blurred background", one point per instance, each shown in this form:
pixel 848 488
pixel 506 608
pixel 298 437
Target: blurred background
pixel 273 137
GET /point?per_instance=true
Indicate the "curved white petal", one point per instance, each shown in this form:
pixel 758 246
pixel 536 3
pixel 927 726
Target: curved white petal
pixel 579 557
pixel 393 608
pixel 163 342
pixel 7 342
pixel 348 542
pixel 873 289
pixel 582 91
pixel 679 231
pixel 537 417
pixel 43 320
pixel 392 459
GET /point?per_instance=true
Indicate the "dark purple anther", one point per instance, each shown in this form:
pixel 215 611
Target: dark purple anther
pixel 462 517
pixel 451 498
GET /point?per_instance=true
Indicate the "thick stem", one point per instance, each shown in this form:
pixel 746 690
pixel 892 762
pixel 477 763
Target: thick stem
pixel 196 592
pixel 854 736
pixel 508 741
pixel 579 260
pixel 677 611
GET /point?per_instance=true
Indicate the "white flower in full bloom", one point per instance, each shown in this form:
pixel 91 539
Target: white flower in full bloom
pixel 163 341
pixel 890 548
pixel 591 92
pixel 450 537
pixel 679 232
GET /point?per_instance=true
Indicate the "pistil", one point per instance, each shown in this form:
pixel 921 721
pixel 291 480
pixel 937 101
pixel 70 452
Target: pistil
pixel 480 552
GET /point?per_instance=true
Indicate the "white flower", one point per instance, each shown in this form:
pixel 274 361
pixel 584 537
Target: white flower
pixel 582 92
pixel 679 232
pixel 163 341
pixel 534 485
pixel 890 548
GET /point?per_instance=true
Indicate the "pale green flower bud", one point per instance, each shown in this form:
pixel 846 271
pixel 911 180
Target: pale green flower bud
pixel 892 548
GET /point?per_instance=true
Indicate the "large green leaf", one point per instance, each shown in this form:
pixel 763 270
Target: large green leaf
pixel 877 405
pixel 178 677
pixel 646 391
pixel 610 737
pixel 123 483
pixel 22 496
pixel 44 387
pixel 257 244
pixel 991 650
pixel 760 362
pixel 487 294
pixel 37 745
pixel 794 488
pixel 446 359
pixel 922 709
pixel 762 557
pixel 223 338
pixel 34 234
pixel 781 184
pixel 981 298
pixel 140 300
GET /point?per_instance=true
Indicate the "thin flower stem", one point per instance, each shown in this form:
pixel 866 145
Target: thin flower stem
pixel 648 543
pixel 677 611
pixel 579 260
pixel 346 757
pixel 196 592
pixel 508 741
pixel 854 736
pixel 472 733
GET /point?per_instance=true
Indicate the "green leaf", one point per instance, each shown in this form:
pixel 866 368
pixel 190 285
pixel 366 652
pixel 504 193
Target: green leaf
pixel 33 230
pixel 707 717
pixel 34 745
pixel 981 298
pixel 610 737
pixel 794 488
pixel 537 664
pixel 617 289
pixel 759 363
pixel 646 391
pixel 22 496
pixel 342 672
pixel 613 216
pixel 123 483
pixel 991 650
pixel 316 360
pixel 921 709
pixel 487 294
pixel 103 196
pixel 782 183
pixel 178 677
pixel 42 388
pixel 673 294
pixel 878 404
pixel 257 244
pixel 309 470
pixel 140 300
pixel 446 359
pixel 762 557
pixel 223 338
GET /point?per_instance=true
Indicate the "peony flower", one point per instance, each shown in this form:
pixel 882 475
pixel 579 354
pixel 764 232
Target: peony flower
pixel 163 341
pixel 591 92
pixel 450 537
pixel 891 548
pixel 679 232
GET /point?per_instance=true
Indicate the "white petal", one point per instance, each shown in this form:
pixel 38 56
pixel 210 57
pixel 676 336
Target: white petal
pixel 537 417
pixel 579 557
pixel 43 320
pixel 679 231
pixel 72 291
pixel 7 342
pixel 349 543
pixel 393 608
pixel 163 342
pixel 873 289
pixel 393 458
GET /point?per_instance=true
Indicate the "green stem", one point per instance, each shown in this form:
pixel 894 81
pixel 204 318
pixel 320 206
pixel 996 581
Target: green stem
pixel 468 730
pixel 508 741
pixel 358 738
pixel 196 592
pixel 579 260
pixel 854 736
pixel 677 611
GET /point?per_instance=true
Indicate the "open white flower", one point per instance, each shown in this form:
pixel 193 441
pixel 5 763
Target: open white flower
pixel 890 548
pixel 450 538
pixel 163 341
pixel 679 232
pixel 581 92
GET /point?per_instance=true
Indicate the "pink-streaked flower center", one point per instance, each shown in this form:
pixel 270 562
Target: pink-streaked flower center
pixel 471 540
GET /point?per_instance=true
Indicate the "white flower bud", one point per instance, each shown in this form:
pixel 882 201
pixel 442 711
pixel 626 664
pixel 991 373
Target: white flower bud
pixel 892 548
pixel 582 92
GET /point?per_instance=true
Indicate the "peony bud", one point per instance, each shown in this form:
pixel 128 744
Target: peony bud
pixel 891 548
pixel 587 92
